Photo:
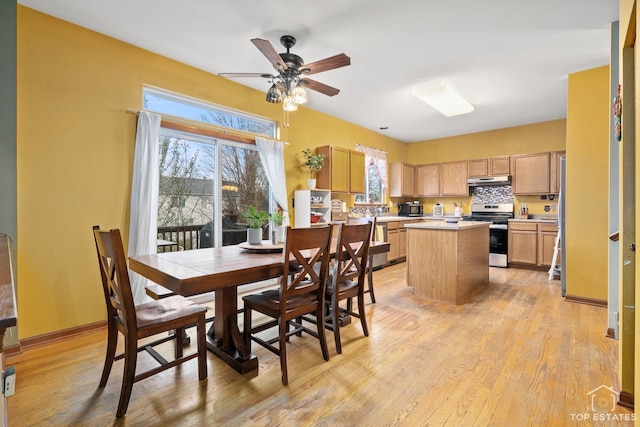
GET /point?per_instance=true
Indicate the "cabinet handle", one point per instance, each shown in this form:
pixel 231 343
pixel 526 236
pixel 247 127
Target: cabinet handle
pixel 632 247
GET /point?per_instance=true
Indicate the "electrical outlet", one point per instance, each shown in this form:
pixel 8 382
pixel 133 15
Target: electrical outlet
pixel 9 383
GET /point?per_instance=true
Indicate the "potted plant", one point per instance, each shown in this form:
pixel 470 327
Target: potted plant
pixel 256 219
pixel 314 162
pixel 277 231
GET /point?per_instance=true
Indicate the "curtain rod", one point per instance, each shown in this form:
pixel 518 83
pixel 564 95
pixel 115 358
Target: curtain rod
pixel 192 125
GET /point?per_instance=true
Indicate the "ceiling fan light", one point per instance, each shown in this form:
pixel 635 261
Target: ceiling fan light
pixel 299 95
pixel 443 98
pixel 289 104
pixel 273 95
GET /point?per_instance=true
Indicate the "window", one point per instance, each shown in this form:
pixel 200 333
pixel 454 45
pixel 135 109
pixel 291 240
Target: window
pixel 376 176
pixel 207 183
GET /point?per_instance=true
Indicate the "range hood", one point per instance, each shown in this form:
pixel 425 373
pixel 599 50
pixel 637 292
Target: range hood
pixel 489 180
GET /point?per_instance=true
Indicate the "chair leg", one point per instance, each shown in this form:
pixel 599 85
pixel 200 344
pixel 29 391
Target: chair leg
pixel 112 342
pixel 370 280
pixel 335 319
pixel 202 348
pixel 130 359
pixel 321 331
pixel 362 315
pixel 282 330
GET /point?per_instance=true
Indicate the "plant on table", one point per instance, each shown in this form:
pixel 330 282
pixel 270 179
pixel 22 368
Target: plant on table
pixel 255 218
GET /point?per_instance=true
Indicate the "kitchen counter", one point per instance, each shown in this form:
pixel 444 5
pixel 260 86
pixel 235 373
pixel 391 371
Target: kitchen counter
pixel 443 225
pixel 448 262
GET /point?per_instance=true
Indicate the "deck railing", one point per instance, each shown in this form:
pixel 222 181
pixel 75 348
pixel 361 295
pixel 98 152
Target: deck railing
pixel 185 237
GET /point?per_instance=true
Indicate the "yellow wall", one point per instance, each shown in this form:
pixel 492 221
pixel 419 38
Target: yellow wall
pixel 587 183
pixel 533 138
pixel 75 151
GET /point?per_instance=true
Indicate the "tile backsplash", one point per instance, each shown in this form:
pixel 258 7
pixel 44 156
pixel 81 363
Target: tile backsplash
pixel 493 194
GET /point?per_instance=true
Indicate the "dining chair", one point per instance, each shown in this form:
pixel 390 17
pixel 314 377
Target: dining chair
pixel 143 321
pixel 301 291
pixel 373 221
pixel 347 277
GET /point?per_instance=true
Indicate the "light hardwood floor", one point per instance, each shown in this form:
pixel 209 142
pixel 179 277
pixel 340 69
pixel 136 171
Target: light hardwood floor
pixel 516 354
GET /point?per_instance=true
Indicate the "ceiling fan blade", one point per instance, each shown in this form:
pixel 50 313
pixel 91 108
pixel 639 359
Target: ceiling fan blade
pixel 233 75
pixel 272 55
pixel 336 61
pixel 319 87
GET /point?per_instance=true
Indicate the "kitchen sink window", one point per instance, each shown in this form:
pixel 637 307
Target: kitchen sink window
pixel 375 175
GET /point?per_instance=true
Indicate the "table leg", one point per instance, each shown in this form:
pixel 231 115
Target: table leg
pixel 224 338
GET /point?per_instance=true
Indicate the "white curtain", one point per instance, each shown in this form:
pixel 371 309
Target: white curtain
pixel 272 155
pixel 143 222
pixel 375 160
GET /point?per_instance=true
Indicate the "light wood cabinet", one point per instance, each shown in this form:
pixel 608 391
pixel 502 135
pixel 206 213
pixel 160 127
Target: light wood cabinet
pixel 547 234
pixel 532 243
pixel 393 237
pixel 554 175
pixel 427 180
pixel 343 170
pixel 454 179
pixel 401 180
pixel 531 173
pixel 523 242
pixel 490 167
pixel 356 172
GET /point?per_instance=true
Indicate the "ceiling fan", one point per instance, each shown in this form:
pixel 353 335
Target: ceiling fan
pixel 291 74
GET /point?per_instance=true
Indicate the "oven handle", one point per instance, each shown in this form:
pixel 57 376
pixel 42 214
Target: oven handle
pixel 498 226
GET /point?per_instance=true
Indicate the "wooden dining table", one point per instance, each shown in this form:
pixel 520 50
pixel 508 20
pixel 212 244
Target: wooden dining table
pixel 221 270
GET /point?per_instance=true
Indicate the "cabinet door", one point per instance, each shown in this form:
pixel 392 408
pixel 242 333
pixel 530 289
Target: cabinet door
pixel 339 169
pixel 356 172
pixel 402 243
pixel 427 182
pixel 393 239
pixel 454 179
pixel 546 243
pixel 478 167
pixel 554 175
pixel 400 180
pixel 500 165
pixel 523 242
pixel 530 173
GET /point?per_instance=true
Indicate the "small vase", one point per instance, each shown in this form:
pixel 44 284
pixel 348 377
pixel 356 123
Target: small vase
pixel 254 236
pixel 311 182
pixel 277 234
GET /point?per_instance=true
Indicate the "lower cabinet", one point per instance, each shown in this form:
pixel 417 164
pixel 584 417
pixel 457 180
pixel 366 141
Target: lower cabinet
pixel 532 243
pixel 397 238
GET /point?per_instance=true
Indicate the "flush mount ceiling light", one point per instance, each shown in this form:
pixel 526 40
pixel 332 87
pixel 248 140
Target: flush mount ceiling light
pixel 287 84
pixel 443 98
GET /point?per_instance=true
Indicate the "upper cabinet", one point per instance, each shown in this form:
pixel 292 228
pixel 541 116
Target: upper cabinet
pixel 427 180
pixel 454 179
pixel 343 170
pixel 531 173
pixel 401 180
pixel 554 176
pixel 494 166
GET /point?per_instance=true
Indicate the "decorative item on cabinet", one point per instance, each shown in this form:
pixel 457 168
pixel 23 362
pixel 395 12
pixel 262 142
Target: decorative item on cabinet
pixel 314 163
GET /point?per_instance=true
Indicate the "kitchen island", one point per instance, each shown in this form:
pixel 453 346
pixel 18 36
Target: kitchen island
pixel 447 262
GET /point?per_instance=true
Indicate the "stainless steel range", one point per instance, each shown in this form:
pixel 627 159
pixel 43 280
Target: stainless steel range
pixel 498 215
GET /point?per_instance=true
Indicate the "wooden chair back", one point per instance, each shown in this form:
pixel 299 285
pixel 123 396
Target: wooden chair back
pixel 352 254
pixel 305 250
pixel 373 220
pixel 115 278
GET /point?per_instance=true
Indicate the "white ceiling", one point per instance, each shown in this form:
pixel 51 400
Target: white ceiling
pixel 509 58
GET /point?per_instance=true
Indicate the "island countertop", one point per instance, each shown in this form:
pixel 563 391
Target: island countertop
pixel 443 225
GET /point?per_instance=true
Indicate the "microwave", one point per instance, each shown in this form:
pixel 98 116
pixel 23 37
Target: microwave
pixel 410 209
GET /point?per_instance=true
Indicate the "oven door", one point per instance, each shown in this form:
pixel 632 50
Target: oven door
pixel 498 238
